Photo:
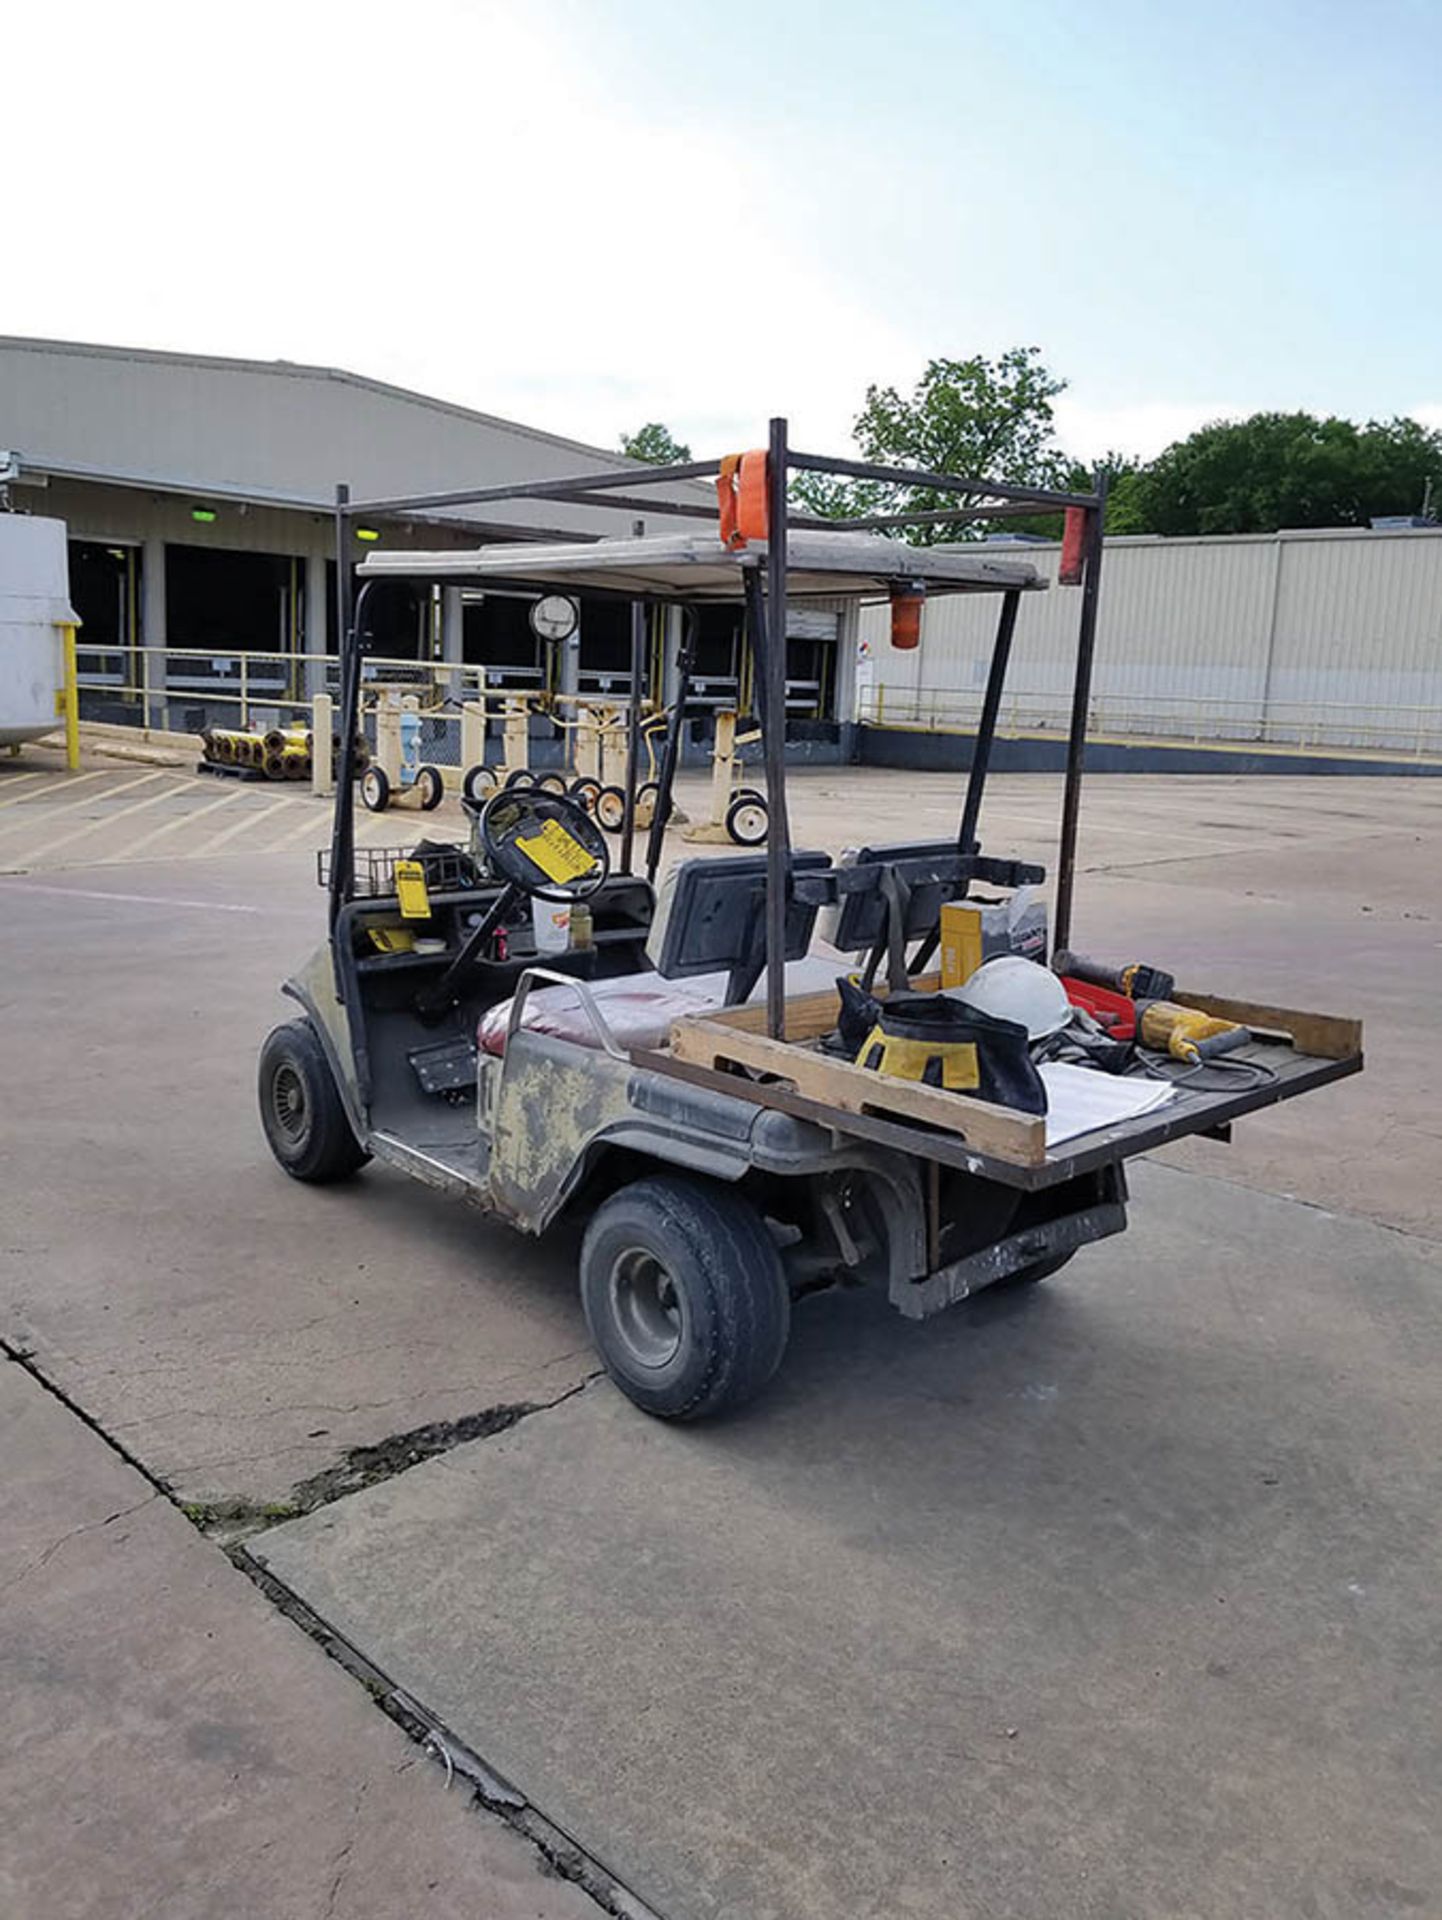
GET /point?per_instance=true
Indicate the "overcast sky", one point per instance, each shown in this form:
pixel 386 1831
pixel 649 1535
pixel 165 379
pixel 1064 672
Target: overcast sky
pixel 586 214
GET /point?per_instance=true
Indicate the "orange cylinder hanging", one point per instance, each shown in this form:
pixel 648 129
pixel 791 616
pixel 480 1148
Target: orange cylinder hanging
pixel 906 606
pixel 1073 547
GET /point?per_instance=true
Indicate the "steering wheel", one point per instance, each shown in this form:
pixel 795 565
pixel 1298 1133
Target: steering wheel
pixel 544 844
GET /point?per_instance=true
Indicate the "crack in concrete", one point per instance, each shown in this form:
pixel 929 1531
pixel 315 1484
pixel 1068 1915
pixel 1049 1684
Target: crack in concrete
pixel 342 1859
pixel 89 1526
pixel 558 1852
pixel 231 1521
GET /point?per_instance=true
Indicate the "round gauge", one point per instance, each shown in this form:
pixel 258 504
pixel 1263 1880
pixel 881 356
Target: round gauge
pixel 555 617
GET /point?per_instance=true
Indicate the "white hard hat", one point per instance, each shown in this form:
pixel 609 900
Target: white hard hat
pixel 1012 988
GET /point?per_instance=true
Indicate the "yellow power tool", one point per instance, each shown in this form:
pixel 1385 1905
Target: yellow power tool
pixel 1186 1034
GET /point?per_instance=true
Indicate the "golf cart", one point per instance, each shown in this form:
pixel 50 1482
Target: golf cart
pixel 676 1080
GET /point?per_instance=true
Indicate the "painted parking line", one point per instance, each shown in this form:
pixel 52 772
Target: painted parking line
pixel 101 824
pixel 318 822
pixel 133 850
pixel 252 818
pixel 16 780
pixel 70 785
pixel 130 899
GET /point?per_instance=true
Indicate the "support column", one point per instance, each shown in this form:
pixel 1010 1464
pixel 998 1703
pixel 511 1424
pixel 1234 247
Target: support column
pixel 453 638
pixel 317 622
pixel 570 675
pixel 153 629
pixel 670 657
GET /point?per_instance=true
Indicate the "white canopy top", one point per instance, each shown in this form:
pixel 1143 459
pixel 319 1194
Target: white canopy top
pixel 696 566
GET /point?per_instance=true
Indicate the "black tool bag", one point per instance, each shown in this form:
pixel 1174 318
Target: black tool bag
pixel 932 1039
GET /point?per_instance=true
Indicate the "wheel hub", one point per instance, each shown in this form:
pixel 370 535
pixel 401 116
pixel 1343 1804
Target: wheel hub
pixel 288 1102
pixel 646 1308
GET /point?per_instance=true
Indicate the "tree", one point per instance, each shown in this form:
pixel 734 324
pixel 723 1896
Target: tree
pixel 656 445
pixel 989 418
pixel 1287 470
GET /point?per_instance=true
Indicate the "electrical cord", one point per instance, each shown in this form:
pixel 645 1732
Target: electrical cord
pixel 1161 1066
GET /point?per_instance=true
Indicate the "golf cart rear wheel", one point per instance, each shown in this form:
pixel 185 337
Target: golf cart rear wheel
pixel 430 788
pixel 375 790
pixel 747 820
pixel 610 808
pixel 584 793
pixel 1038 1270
pixel 685 1296
pixel 552 783
pixel 521 777
pixel 479 781
pixel 301 1110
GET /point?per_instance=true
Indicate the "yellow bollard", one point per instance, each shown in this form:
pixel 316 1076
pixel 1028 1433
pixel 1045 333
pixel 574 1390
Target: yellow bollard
pixel 69 701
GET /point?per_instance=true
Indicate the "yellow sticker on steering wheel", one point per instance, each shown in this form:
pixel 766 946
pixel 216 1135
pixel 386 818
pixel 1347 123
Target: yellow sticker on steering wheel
pixel 558 854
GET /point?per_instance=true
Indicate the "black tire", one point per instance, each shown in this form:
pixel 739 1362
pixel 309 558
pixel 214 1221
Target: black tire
pixel 520 777
pixel 685 1296
pixel 375 790
pixel 747 820
pixel 479 783
pixel 430 788
pixel 610 808
pixel 584 793
pixel 1038 1270
pixel 552 783
pixel 300 1108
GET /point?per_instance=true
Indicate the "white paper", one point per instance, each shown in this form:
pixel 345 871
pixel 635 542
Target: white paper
pixel 1080 1099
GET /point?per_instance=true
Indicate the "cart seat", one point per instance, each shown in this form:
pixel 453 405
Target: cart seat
pixel 638 1008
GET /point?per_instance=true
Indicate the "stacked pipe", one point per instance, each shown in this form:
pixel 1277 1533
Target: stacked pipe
pixel 281 753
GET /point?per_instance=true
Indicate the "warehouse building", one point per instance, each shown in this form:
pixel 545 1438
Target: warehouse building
pixel 197 492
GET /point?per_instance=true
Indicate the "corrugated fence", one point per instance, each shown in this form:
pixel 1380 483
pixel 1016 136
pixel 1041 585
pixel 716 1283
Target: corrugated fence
pixel 1329 638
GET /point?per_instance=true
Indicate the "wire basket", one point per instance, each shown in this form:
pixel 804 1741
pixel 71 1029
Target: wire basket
pixel 448 869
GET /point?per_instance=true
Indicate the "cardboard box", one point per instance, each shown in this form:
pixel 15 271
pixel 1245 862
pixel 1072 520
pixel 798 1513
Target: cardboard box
pixel 961 942
pixel 973 931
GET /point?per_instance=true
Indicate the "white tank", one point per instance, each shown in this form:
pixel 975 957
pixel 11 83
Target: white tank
pixel 34 606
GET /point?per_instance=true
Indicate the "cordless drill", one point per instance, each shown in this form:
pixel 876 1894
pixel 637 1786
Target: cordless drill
pixel 1136 980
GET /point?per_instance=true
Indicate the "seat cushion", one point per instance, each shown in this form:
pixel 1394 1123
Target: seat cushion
pixel 637 1007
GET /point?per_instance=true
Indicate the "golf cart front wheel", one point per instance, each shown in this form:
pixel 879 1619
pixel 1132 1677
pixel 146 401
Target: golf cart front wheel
pixel 301 1110
pixel 747 819
pixel 584 792
pixel 479 782
pixel 685 1296
pixel 430 788
pixel 375 789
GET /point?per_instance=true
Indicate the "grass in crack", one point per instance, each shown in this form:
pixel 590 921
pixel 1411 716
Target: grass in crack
pixel 366 1466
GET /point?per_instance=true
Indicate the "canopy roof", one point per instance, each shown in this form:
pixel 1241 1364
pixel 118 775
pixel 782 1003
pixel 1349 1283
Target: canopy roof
pixel 697 566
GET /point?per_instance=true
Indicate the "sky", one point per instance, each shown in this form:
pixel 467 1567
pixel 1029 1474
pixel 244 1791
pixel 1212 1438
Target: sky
pixel 588 214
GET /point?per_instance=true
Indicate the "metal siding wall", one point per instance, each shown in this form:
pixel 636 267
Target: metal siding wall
pixel 1359 622
pixel 273 429
pixel 1349 620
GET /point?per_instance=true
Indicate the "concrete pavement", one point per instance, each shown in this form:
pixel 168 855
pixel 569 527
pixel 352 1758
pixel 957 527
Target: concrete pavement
pixel 242 1335
pixel 1109 1600
pixel 174 1748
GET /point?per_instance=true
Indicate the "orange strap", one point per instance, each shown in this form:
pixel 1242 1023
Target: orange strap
pixel 741 494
